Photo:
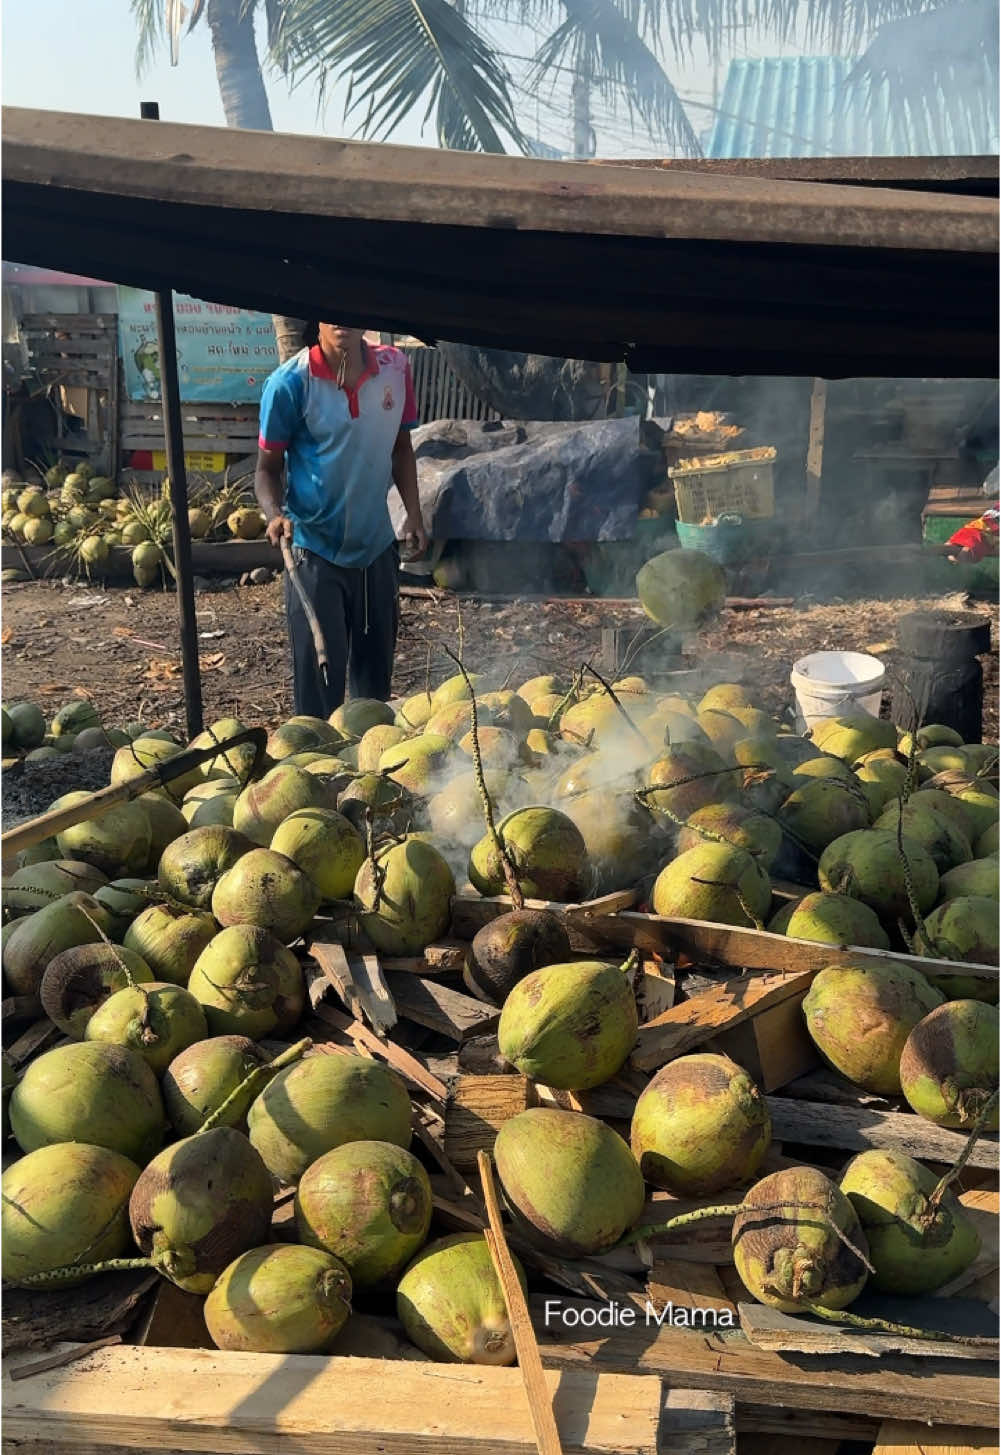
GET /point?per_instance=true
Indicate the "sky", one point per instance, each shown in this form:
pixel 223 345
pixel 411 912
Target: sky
pixel 79 55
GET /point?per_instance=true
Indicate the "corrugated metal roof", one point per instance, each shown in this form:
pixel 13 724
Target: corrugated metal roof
pixel 806 106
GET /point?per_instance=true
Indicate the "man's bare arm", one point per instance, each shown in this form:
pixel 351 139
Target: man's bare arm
pixel 405 480
pixel 269 487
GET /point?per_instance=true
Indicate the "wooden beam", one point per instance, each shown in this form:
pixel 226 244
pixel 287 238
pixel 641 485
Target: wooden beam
pixel 698 1020
pixel 815 449
pixel 911 1437
pixel 241 1404
pixel 894 1386
pixel 440 1008
pixel 815 1124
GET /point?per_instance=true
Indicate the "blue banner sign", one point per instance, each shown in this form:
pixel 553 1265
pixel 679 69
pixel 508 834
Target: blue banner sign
pixel 224 354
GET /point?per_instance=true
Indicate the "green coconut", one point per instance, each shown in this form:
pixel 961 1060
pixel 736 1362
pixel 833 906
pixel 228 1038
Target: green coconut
pixel 104 1095
pixel 836 919
pixel 977 879
pixel 146 753
pixel 915 1244
pixel 116 843
pixel 963 928
pixel 452 1306
pixel 852 735
pixel 882 779
pixel 64 1204
pixel 248 984
pixel 236 762
pixel 572 1184
pixel 700 1125
pixel 208 1073
pixel 368 1203
pixel 266 889
pixel 620 841
pixel 824 766
pixel 932 830
pixel 544 686
pixel 948 806
pixel 570 1026
pixel 265 804
pixel 170 938
pixel 75 919
pixel 414 712
pixel 756 833
pixel 76 982
pixel 978 797
pixel 860 1014
pixel 714 882
pixel 456 812
pixel 210 805
pixel 787 1247
pixel 420 765
pixel 547 850
pixel 867 865
pixel 723 731
pixel 27 725
pixel 74 718
pixel 354 718
pixel 510 947
pixel 199 1204
pixel 451 721
pixel 404 898
pixel 681 589
pixel 279 1300
pixel 326 846
pixel 375 742
pixel 35 885
pixel 500 750
pixel 302 733
pixel 689 777
pixel 944 759
pixel 987 843
pixel 166 822
pixel 394 809
pixel 158 1020
pixel 949 1065
pixel 593 721
pixel 321 1103
pixel 191 866
pixel 822 810
pixel 779 922
pixel 589 772
pixel 123 900
pixel 454 689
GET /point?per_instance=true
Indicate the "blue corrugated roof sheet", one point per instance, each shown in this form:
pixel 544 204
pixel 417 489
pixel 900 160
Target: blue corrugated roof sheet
pixel 806 106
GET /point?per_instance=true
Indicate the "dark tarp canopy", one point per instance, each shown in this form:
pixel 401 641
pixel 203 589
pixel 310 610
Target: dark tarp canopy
pixel 675 270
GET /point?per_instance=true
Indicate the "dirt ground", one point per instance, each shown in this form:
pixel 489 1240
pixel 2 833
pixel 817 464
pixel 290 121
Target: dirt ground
pixel 120 649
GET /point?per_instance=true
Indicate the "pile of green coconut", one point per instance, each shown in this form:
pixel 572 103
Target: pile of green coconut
pixel 164 940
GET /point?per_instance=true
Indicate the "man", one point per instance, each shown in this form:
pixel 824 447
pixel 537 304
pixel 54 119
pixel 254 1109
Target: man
pixel 337 419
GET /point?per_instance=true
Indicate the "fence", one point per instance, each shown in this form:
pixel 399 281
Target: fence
pixel 440 394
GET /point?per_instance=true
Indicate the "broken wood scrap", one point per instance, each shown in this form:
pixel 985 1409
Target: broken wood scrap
pixel 914 1437
pixel 448 1012
pixel 481 1055
pixel 62 1357
pixel 979 1280
pixel 711 1012
pixel 773 1046
pixel 38 1037
pixel 444 957
pixel 768 1328
pixel 15 1008
pixel 34 1318
pixel 174 1320
pixel 430 1132
pixel 689 1285
pixel 856 1128
pixel 358 982
pixel 408 1066
pixel 477 1109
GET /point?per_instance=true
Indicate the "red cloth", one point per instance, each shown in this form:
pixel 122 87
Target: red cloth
pixel 979 537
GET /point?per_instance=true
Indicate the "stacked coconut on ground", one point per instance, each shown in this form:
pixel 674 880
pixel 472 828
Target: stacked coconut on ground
pixel 161 940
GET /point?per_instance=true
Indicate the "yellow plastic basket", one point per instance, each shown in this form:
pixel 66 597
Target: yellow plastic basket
pixel 739 483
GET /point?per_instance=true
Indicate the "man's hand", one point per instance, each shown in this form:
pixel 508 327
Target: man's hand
pixel 414 535
pixel 279 527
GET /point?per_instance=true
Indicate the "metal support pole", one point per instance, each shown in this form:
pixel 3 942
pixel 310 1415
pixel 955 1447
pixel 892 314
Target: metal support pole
pixel 173 428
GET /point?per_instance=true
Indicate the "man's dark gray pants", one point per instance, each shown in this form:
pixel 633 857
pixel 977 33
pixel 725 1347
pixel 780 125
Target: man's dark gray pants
pixel 358 612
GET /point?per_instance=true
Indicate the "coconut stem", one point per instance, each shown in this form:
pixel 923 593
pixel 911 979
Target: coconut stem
pixel 885 1326
pixel 121 963
pixel 912 899
pixel 259 1076
pixel 53 1277
pixel 378 872
pixel 758 924
pixel 947 1178
pixel 507 866
pixel 568 697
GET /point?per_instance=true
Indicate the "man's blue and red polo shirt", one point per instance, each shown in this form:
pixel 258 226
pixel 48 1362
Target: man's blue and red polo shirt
pixel 338 445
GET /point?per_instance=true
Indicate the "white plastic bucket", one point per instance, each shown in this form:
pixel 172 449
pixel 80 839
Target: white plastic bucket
pixel 828 684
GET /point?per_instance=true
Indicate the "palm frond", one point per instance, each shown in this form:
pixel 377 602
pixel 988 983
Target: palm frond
pixel 148 15
pixel 398 54
pixel 600 40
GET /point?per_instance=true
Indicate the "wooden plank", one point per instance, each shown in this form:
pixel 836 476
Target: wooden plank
pixel 981 1206
pixel 691 1285
pixel 910 1437
pixel 815 1124
pixel 698 1422
pixel 376 1000
pixel 440 1008
pixel 898 1385
pixel 477 1109
pixel 174 1320
pixel 359 984
pixel 243 1404
pixel 774 1047
pixel 767 1328
pixel 698 1020
pixel 35 1039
